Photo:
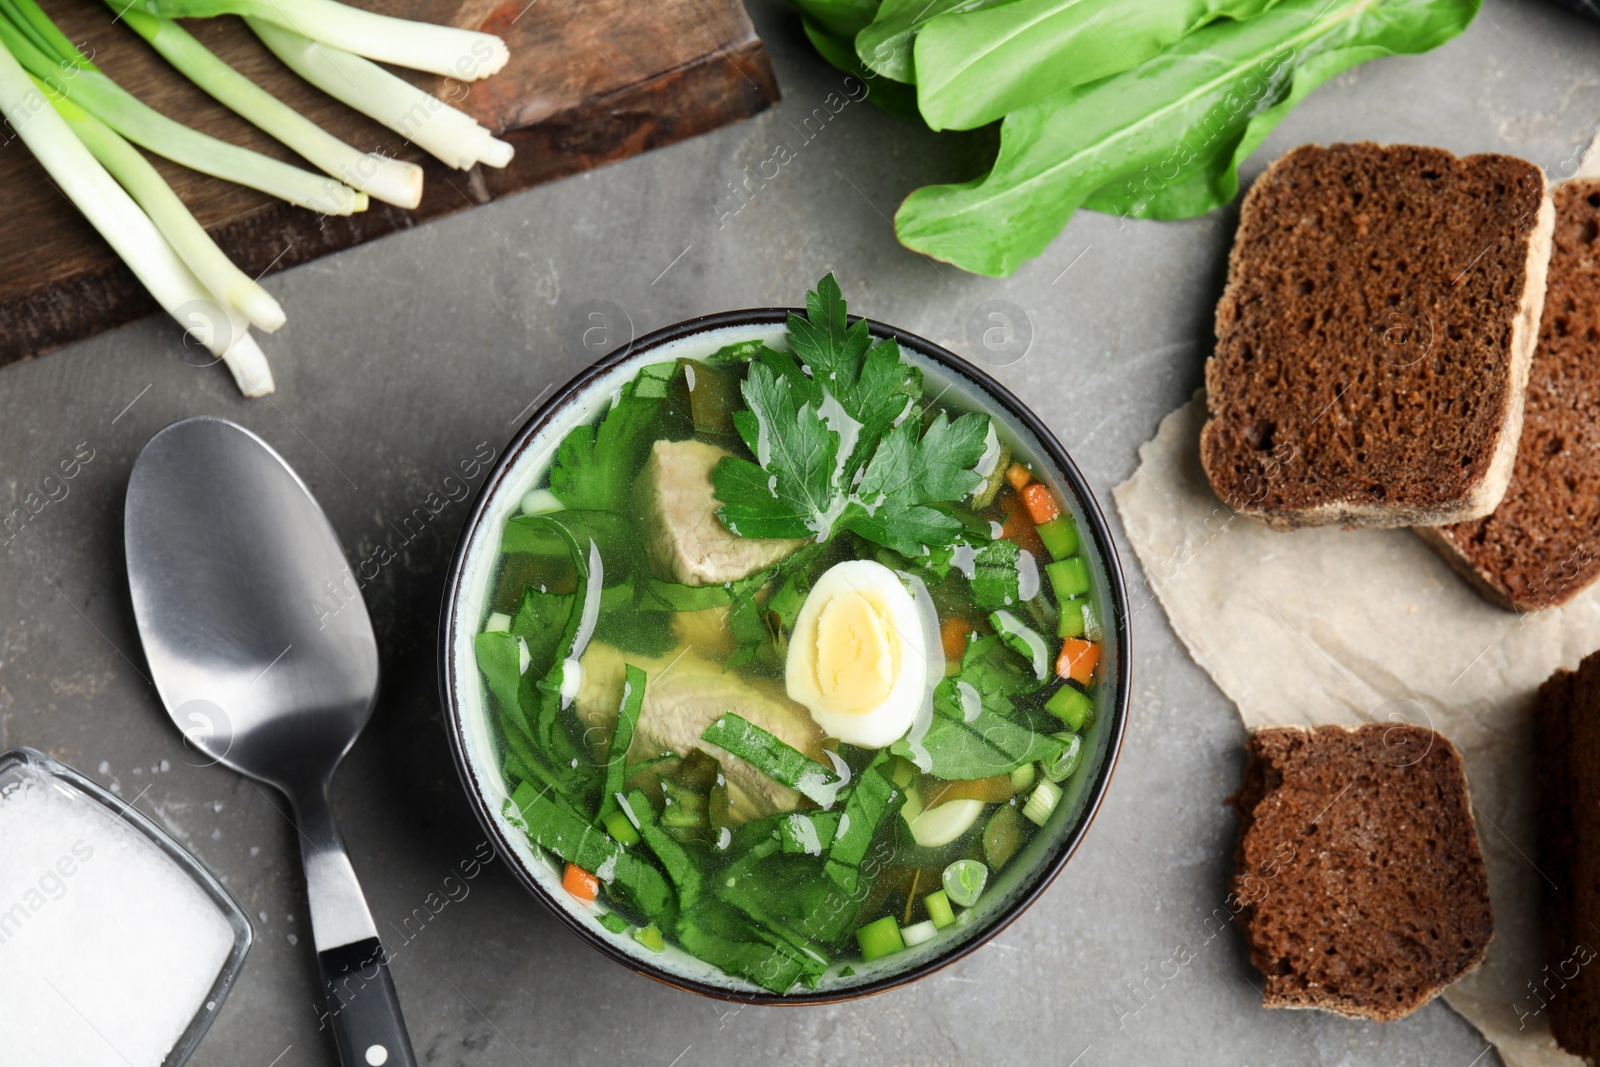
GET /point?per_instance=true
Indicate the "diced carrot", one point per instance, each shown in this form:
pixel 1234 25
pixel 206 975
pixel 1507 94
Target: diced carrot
pixel 1018 476
pixel 1018 526
pixel 1078 660
pixel 580 883
pixel 1041 505
pixel 953 630
pixel 996 790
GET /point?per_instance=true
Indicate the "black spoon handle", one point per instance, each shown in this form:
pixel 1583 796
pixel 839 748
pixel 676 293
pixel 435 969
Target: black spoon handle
pixel 363 1009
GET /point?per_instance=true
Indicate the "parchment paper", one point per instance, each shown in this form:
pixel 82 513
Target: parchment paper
pixel 1347 626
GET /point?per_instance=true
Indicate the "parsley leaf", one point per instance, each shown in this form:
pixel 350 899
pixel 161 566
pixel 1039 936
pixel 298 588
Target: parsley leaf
pixel 840 443
pixel 795 484
pixel 869 384
pixel 594 464
pixel 907 473
pixel 822 339
pixel 993 671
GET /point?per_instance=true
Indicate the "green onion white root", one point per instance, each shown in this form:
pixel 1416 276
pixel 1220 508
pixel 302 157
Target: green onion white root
pixel 450 135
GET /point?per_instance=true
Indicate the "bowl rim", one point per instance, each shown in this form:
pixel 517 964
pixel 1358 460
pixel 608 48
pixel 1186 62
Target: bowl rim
pixel 1116 595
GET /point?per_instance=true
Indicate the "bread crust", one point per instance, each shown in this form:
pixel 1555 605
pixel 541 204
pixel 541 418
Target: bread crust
pixel 1541 545
pixel 1484 493
pixel 1436 540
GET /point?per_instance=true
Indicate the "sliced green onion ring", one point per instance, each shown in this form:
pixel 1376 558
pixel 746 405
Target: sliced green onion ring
pixel 964 881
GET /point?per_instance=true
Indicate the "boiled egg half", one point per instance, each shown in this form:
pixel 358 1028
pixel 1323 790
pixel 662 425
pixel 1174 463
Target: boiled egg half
pixel 858 655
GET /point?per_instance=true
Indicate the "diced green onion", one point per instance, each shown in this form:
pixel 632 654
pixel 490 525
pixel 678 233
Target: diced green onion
pixel 939 911
pixel 187 237
pixel 650 937
pixel 964 881
pixel 1069 577
pixel 612 921
pixel 465 55
pixel 1091 623
pixel 1071 705
pixel 1060 536
pixel 1022 778
pixel 107 101
pixel 1041 803
pixel 127 229
pixel 394 181
pixel 1060 768
pixel 618 826
pixel 452 136
pixel 917 933
pixel 880 938
pixel 1071 622
pixel 1023 640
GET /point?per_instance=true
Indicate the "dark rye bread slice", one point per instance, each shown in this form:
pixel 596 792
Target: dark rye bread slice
pixel 1541 546
pixel 1374 335
pixel 1567 754
pixel 1362 888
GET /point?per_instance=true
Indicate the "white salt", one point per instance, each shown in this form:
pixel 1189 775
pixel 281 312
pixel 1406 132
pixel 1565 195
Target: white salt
pixel 107 948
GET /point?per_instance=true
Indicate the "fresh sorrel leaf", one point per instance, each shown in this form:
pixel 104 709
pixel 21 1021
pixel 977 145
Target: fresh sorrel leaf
pixel 1164 140
pixel 973 67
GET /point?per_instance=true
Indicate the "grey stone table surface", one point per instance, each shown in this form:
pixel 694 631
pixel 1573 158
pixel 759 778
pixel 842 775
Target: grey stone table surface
pixel 407 357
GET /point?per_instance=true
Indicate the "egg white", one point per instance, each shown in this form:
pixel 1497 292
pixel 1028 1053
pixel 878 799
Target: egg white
pixel 905 672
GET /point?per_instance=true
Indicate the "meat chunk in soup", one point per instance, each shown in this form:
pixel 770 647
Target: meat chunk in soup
pixel 686 541
pixel 686 692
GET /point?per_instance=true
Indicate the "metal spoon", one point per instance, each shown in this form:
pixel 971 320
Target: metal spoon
pixel 261 649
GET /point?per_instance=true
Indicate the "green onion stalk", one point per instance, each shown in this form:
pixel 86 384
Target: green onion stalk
pixel 465 55
pixel 45 52
pixel 390 180
pixel 128 230
pixel 186 236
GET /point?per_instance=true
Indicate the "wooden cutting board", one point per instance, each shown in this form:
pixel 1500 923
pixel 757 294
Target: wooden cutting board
pixel 589 82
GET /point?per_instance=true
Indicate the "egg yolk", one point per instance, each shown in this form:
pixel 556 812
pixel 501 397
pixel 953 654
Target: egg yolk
pixel 858 654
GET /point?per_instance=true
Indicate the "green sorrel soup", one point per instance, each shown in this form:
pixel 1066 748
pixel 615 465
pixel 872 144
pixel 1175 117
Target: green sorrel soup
pixel 787 660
